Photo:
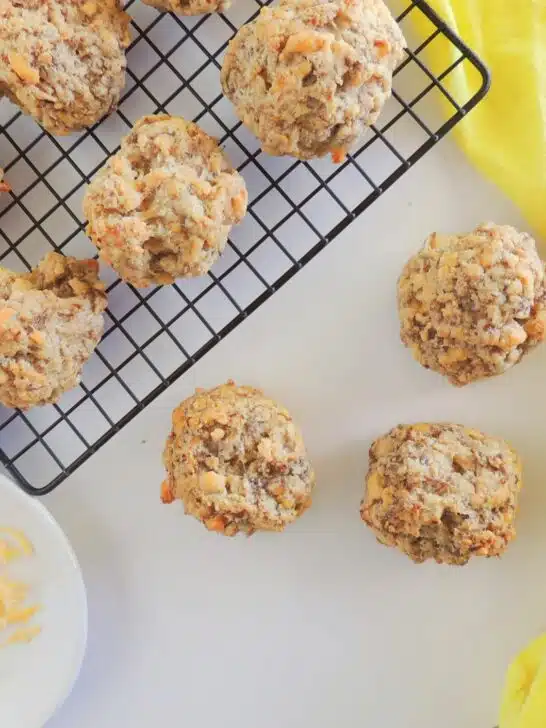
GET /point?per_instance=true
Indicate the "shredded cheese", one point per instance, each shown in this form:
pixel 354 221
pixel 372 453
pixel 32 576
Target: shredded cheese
pixel 14 612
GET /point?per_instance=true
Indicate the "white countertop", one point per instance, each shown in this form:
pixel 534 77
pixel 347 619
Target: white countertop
pixel 318 627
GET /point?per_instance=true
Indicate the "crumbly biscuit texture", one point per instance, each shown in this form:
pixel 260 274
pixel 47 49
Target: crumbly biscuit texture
pixel 63 62
pixel 190 7
pixel 50 322
pixel 442 492
pixel 309 76
pixel 163 206
pixel 472 305
pixel 237 461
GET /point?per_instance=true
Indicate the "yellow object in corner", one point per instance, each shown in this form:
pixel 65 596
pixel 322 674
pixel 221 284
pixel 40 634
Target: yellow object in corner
pixel 524 698
pixel 505 135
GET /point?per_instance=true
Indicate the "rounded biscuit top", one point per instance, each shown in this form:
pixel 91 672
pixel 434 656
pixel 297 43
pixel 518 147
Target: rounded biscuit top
pixel 472 305
pixel 309 76
pixel 63 62
pixel 50 323
pixel 442 491
pixel 237 461
pixel 163 206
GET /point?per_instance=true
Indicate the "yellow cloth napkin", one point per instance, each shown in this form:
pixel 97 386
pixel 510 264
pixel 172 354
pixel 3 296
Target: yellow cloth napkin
pixel 505 135
pixel 524 699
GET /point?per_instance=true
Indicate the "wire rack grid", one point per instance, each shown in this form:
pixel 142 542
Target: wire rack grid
pixel 153 336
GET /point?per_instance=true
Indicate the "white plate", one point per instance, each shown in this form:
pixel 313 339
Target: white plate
pixel 37 677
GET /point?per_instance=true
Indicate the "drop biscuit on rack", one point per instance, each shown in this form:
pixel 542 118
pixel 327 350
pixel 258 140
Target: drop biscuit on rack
pixel 442 492
pixel 63 62
pixel 237 461
pixel 50 323
pixel 309 77
pixel 471 306
pixel 190 7
pixel 163 206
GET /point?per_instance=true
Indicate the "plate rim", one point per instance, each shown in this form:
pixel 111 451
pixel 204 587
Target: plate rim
pixel 47 516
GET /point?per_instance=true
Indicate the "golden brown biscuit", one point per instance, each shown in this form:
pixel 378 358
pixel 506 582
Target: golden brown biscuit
pixel 63 62
pixel 472 305
pixel 190 7
pixel 237 461
pixel 163 206
pixel 442 492
pixel 308 77
pixel 50 323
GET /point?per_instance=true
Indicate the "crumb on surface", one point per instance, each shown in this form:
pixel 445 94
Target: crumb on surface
pixel 4 186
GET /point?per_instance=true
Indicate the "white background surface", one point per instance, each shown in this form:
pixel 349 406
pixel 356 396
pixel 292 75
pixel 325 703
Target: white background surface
pixel 320 626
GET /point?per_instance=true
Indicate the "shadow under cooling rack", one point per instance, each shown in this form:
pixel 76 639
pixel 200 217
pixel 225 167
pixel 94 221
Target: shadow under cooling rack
pixel 295 209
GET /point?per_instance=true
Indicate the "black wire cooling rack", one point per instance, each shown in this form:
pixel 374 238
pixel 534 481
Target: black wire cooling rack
pixel 154 336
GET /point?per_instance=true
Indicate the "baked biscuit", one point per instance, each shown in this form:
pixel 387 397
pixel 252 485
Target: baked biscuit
pixel 442 492
pixel 237 461
pixel 309 77
pixel 471 306
pixel 163 206
pixel 63 62
pixel 190 7
pixel 50 323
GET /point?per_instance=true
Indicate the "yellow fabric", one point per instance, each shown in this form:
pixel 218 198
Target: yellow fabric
pixel 524 699
pixel 505 135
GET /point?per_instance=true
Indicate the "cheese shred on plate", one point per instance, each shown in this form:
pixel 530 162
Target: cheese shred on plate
pixel 15 614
